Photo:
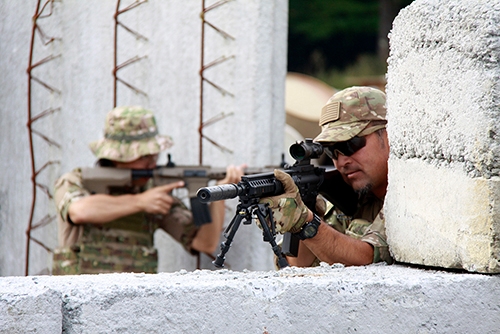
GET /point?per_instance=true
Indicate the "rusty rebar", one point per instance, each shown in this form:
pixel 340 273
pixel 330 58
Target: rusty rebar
pixel 116 66
pixel 203 79
pixel 36 30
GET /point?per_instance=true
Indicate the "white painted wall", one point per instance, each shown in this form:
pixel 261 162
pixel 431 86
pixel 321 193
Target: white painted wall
pixel 81 75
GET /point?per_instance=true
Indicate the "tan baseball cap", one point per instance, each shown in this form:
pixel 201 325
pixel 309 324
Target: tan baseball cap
pixel 350 111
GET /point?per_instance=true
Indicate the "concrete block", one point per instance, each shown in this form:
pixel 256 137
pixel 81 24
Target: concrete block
pixel 442 205
pixel 29 307
pixel 326 299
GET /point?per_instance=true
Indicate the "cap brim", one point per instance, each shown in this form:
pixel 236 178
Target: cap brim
pixel 335 132
pixel 126 152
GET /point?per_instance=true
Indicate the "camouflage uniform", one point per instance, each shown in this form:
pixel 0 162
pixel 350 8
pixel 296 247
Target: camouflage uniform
pixel 357 111
pixel 126 244
pixel 367 225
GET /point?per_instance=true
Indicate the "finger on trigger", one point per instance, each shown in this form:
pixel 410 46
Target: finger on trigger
pixel 171 186
pixel 284 178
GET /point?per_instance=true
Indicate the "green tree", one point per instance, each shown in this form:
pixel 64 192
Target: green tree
pixel 331 34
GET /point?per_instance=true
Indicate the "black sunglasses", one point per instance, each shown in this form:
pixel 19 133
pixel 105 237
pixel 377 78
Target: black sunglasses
pixel 346 148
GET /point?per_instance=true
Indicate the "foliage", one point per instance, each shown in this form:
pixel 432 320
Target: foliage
pixel 367 70
pixel 329 35
pixel 320 19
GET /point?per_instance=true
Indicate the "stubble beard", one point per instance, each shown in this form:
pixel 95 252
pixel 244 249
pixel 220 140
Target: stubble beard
pixel 364 191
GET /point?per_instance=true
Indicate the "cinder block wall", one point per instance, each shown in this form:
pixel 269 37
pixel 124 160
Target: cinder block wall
pixel 443 200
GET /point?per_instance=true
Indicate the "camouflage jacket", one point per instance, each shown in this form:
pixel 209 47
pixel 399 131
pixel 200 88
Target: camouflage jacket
pixel 367 224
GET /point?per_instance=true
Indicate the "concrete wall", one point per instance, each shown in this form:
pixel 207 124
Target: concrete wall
pixel 373 299
pixel 78 86
pixel 442 205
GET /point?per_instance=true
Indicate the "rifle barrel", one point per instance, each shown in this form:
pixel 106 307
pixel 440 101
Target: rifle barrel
pixel 218 193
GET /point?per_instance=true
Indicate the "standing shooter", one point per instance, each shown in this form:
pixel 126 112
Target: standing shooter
pixel 114 232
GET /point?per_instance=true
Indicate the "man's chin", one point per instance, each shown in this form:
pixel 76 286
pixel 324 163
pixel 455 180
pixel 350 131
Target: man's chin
pixel 362 190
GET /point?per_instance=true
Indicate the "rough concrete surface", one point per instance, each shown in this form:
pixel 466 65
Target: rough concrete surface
pixel 326 299
pixel 442 206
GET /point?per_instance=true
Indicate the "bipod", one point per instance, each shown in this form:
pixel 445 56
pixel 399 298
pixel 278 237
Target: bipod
pixel 245 212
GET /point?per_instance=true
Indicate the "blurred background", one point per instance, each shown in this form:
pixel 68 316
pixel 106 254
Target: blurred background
pixel 342 42
pixel 333 44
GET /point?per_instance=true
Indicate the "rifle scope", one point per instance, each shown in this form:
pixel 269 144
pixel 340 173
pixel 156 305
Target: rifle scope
pixel 306 150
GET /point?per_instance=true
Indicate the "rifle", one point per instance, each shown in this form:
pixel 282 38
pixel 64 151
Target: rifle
pixel 102 180
pixel 310 180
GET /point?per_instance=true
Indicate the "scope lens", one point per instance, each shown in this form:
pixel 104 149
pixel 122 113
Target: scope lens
pixel 297 152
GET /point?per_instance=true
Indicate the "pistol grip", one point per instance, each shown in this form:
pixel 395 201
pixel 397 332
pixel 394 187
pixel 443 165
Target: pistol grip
pixel 290 244
pixel 201 212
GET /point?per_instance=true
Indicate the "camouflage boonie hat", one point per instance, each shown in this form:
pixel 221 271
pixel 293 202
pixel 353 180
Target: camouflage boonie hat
pixel 130 133
pixel 348 112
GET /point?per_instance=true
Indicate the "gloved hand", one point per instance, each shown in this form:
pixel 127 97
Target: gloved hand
pixel 320 206
pixel 289 212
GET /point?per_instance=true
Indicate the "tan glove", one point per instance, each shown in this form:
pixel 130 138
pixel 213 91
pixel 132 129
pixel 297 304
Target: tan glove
pixel 289 212
pixel 320 206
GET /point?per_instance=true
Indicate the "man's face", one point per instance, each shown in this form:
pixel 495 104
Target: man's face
pixel 366 169
pixel 144 162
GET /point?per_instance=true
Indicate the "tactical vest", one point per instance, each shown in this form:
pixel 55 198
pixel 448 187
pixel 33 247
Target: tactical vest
pixel 123 245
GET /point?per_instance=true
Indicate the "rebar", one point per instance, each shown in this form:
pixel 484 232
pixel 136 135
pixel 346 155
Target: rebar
pixel 203 79
pixel 46 40
pixel 130 61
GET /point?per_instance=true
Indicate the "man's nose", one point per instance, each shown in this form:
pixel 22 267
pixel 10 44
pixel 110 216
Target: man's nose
pixel 342 160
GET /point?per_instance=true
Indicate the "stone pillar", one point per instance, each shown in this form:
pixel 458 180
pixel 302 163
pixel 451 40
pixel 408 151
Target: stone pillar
pixel 443 200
